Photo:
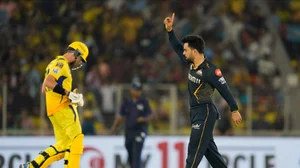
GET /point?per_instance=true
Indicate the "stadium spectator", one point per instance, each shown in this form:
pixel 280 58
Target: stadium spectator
pixel 132 42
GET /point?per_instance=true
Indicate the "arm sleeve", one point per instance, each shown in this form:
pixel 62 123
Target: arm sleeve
pixel 219 82
pixel 177 46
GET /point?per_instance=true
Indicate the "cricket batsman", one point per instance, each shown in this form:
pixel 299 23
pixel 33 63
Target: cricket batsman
pixel 61 105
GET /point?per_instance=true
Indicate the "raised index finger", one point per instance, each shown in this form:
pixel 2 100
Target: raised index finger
pixel 173 16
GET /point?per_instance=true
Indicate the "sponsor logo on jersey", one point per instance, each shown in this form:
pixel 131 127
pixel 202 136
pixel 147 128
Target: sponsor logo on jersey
pixel 194 79
pixel 222 80
pixel 218 72
pixel 196 126
pixel 56 70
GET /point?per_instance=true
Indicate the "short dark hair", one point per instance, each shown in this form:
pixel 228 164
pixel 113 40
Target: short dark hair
pixel 195 42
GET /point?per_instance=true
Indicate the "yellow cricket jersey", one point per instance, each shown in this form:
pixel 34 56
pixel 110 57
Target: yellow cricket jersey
pixel 59 68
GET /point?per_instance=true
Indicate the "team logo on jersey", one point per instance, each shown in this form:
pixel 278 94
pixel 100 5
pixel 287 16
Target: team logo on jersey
pixel 218 72
pixel 140 107
pixel 59 64
pixel 56 70
pixel 199 72
pixel 222 80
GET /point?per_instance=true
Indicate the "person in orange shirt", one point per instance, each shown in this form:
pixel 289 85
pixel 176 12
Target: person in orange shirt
pixel 61 105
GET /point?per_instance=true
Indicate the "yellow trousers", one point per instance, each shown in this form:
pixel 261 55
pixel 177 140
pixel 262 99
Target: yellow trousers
pixel 66 127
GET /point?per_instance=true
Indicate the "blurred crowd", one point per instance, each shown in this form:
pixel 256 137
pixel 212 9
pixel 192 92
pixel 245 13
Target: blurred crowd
pixel 286 18
pixel 127 41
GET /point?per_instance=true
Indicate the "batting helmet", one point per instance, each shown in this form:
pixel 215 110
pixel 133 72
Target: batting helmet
pixel 80 49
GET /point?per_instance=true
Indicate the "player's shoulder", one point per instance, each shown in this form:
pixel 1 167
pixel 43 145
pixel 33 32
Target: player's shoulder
pixel 210 65
pixel 212 69
pixel 59 62
pixel 61 59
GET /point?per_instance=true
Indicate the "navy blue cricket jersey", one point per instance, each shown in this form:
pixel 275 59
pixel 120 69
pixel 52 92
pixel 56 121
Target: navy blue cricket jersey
pixel 132 110
pixel 204 79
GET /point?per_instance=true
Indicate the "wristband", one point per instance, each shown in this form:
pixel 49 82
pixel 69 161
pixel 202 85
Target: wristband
pixel 58 89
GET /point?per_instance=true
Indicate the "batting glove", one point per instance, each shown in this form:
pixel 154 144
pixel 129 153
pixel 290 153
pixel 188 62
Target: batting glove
pixel 81 102
pixel 75 97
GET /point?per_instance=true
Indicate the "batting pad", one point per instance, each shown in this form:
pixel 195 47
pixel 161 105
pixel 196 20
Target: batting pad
pixel 52 159
pixel 76 151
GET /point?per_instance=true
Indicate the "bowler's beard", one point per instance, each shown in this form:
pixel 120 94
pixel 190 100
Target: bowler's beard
pixel 189 62
pixel 190 59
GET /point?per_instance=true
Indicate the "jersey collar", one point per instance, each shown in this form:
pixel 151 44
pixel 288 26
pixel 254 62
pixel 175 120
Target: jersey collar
pixel 202 65
pixel 62 57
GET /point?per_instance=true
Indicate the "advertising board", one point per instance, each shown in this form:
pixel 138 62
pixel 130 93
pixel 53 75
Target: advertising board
pixel 160 151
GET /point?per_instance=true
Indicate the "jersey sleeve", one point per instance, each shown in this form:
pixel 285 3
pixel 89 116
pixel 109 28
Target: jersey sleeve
pixel 122 110
pixel 177 46
pixel 58 69
pixel 148 110
pixel 216 79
